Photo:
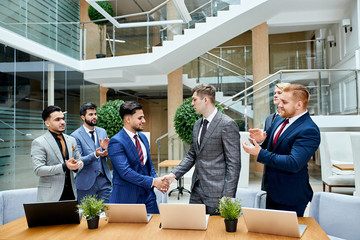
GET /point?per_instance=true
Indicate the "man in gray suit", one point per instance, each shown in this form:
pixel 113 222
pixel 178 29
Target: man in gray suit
pixel 92 141
pixel 214 150
pixel 55 157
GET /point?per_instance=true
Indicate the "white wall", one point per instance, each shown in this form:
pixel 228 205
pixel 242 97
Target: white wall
pixel 342 90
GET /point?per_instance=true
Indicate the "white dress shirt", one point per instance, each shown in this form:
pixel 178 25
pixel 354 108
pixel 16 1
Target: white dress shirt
pixel 131 135
pixel 291 120
pixel 209 119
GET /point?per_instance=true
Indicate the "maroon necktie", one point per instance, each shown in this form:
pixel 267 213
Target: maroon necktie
pixel 138 148
pixel 279 132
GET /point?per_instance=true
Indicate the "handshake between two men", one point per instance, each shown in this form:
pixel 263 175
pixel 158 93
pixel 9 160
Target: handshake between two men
pixel 163 183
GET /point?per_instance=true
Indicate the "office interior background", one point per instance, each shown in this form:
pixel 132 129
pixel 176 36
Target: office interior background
pixel 48 56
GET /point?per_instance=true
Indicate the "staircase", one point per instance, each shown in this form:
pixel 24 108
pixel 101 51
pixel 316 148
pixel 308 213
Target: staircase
pixel 142 69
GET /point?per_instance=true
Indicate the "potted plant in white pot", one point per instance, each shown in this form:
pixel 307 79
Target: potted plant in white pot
pixel 95 15
pixel 91 207
pixel 230 209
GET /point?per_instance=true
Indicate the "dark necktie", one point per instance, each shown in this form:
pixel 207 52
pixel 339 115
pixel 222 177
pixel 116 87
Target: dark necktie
pixel 279 132
pixel 62 144
pixel 139 150
pixel 203 130
pixel 92 135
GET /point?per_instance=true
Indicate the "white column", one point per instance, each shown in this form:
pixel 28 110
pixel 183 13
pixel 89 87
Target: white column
pixel 51 89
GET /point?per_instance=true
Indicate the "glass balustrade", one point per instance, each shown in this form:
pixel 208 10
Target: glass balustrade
pixel 332 92
pixel 131 39
pixel 54 24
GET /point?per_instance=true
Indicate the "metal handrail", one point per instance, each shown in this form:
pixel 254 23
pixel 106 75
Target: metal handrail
pixel 221 66
pixel 132 14
pixel 228 62
pixel 280 72
pixel 165 28
pixel 22 133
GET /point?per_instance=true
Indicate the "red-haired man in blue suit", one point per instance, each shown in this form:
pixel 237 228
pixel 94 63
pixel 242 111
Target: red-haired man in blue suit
pixel 286 148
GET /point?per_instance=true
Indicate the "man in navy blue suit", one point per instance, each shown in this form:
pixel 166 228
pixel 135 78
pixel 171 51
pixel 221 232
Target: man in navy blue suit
pixel 92 141
pixel 290 143
pixel 134 175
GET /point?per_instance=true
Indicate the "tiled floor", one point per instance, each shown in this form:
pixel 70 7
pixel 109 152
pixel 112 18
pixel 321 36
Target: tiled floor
pixel 255 183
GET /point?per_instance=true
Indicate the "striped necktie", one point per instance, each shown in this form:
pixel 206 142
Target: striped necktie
pixel 139 150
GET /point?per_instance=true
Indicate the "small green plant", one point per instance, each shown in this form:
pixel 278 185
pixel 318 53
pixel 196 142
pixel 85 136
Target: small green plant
pixel 95 15
pixel 185 118
pixel 109 117
pixel 229 208
pixel 91 207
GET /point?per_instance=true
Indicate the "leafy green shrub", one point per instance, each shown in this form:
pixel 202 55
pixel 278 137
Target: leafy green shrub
pixel 91 207
pixel 185 118
pixel 109 117
pixel 95 15
pixel 229 208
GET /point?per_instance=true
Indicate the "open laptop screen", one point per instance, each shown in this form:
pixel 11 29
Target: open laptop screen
pixel 183 216
pixel 275 222
pixel 51 213
pixel 127 213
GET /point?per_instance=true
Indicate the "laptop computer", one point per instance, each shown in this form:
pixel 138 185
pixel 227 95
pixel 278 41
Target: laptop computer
pixel 51 213
pixel 274 222
pixel 183 216
pixel 127 213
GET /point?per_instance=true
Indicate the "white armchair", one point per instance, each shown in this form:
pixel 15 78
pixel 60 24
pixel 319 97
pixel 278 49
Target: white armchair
pixel 355 142
pixel 335 147
pixel 251 197
pixel 337 214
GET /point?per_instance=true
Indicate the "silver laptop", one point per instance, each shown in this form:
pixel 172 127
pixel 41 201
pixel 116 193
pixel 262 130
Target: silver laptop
pixel 183 216
pixel 127 213
pixel 274 222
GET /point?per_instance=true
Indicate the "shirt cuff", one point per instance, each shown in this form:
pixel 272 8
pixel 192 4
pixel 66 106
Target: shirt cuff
pixel 96 156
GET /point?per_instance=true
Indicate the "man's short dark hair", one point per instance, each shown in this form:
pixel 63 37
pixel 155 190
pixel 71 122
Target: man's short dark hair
pixel 129 108
pixel 205 89
pixel 49 110
pixel 85 107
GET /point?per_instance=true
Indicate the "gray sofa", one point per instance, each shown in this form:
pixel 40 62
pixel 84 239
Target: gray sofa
pixel 11 203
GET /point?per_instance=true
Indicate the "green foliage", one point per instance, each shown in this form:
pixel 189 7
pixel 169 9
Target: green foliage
pixel 109 117
pixel 91 207
pixel 185 118
pixel 229 209
pixel 95 15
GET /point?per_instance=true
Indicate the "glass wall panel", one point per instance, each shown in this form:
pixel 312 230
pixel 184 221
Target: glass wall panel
pixel 23 96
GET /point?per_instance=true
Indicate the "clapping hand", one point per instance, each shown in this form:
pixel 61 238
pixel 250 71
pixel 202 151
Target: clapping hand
pixel 104 143
pixel 72 164
pixel 100 153
pixel 257 134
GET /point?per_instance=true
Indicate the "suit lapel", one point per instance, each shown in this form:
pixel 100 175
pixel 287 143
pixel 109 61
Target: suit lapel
pixel 54 146
pixel 274 126
pixel 291 128
pixel 87 138
pixel 141 136
pixel 130 145
pixel 211 128
pixel 69 145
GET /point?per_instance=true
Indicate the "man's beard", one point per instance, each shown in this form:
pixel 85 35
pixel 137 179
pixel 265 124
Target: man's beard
pixel 90 123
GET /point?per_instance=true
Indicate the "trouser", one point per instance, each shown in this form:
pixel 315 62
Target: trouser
pixel 102 188
pixel 299 209
pixel 198 197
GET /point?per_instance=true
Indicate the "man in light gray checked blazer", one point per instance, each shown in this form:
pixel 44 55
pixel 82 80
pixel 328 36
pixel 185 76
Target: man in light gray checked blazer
pixel 214 150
